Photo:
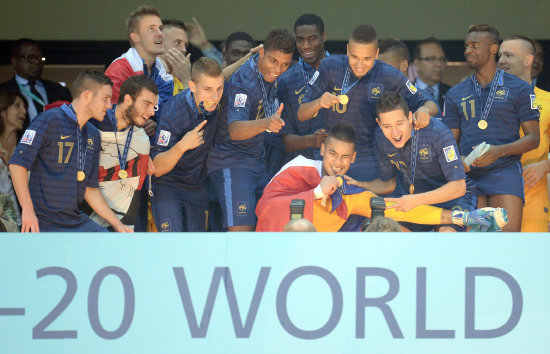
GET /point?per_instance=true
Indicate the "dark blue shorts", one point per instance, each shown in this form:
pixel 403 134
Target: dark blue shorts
pixel 467 202
pixel 500 180
pixel 88 225
pixel 238 191
pixel 176 210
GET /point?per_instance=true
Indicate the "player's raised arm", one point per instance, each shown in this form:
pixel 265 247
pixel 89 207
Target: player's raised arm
pixel 242 130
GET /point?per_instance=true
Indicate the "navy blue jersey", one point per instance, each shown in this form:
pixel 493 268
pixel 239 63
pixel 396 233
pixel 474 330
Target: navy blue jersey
pixel 49 150
pixel 244 103
pixel 514 103
pixel 291 90
pixel 437 158
pixel 360 111
pixel 178 116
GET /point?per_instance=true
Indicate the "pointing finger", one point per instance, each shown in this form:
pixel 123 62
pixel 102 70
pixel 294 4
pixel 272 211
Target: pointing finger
pixel 199 127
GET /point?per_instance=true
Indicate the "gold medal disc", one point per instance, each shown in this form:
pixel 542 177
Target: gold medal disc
pixel 122 174
pixel 411 189
pixel 482 124
pixel 80 176
pixel 344 99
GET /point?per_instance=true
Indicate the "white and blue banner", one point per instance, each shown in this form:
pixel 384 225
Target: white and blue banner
pixel 275 293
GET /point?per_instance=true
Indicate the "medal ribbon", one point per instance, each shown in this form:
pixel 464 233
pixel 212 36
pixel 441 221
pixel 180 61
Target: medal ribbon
pixel 414 147
pixel 269 105
pixel 69 110
pixel 121 158
pixel 494 84
pixel 345 84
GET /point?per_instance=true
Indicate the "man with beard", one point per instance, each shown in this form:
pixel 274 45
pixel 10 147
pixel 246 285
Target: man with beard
pixel 490 107
pixel 302 138
pixel 64 175
pixel 124 159
pixel 188 124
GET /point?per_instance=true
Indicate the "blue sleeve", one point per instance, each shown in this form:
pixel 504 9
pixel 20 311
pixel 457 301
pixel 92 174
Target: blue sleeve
pixel 414 97
pixel 93 180
pixel 451 116
pixel 32 141
pixel 213 53
pixel 240 104
pixel 448 156
pixel 526 106
pixel 287 115
pixel 385 168
pixel 319 83
pixel 166 90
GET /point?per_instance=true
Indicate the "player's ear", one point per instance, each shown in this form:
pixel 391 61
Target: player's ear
pixel 353 156
pixel 322 149
pixel 529 60
pixel 410 117
pixel 403 66
pixel 494 48
pixel 134 37
pixel 378 120
pixel 377 53
pixel 128 99
pixel 324 37
pixel 192 86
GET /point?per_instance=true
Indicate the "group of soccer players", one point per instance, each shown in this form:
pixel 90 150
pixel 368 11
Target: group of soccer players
pixel 224 140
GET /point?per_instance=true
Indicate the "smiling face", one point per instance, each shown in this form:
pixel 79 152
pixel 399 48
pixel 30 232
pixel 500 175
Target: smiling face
pixel 15 115
pixel 337 155
pixel 310 43
pixel 362 57
pixel 396 126
pixel 141 109
pixel 273 63
pixel 479 49
pixel 149 40
pixel 208 90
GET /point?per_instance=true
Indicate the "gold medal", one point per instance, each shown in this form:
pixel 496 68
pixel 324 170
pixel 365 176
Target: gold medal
pixel 482 124
pixel 411 189
pixel 122 174
pixel 344 99
pixel 80 176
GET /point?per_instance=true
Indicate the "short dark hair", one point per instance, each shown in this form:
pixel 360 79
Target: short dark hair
pixel 239 36
pixel 15 49
pixel 343 132
pixel 168 22
pixel 7 98
pixel 429 40
pixel 207 66
pixel 395 45
pixel 134 85
pixel 310 19
pixel 390 101
pixel 89 80
pixel 529 41
pixel 364 34
pixel 281 40
pixel 132 22
pixel 490 30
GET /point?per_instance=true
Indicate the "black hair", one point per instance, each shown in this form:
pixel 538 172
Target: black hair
pixel 281 40
pixel 134 85
pixel 310 19
pixel 391 101
pixel 364 34
pixel 429 40
pixel 239 36
pixel 395 45
pixel 89 80
pixel 490 30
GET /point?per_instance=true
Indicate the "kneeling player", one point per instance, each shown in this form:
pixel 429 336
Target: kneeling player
pixel 313 181
pixel 426 160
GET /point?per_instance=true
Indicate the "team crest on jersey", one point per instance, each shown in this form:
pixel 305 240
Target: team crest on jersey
pixel 164 138
pixel 501 94
pixel 450 153
pixel 164 225
pixel 240 100
pixel 242 208
pixel 534 104
pixel 375 90
pixel 28 137
pixel 90 143
pixel 424 154
pixel 314 77
pixel 411 87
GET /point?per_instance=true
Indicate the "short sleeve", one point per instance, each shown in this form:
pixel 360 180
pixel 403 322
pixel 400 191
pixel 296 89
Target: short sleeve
pixel 32 141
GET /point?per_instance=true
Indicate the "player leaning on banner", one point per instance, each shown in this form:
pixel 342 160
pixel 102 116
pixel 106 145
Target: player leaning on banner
pixel 329 200
pixel 124 159
pixel 61 151
pixel 490 107
pixel 426 160
pixel 516 57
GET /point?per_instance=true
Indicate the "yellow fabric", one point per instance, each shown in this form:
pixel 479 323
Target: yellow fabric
pixel 535 210
pixel 151 227
pixel 178 86
pixel 359 204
